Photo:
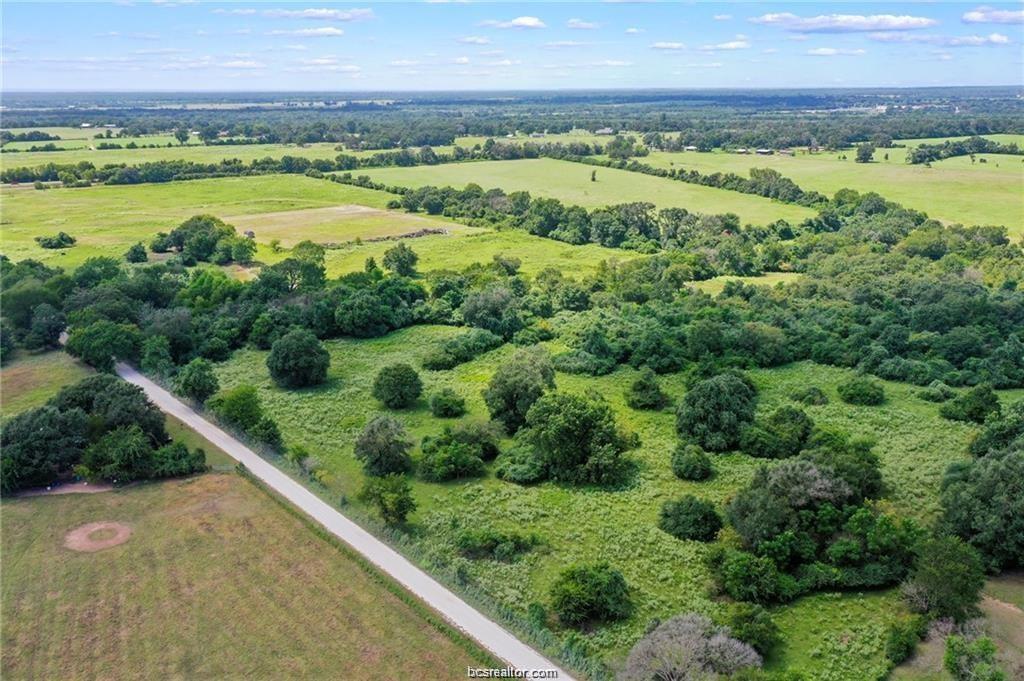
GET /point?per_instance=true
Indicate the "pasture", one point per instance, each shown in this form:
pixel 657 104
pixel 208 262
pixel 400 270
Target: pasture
pixel 571 183
pixel 667 576
pixel 216 580
pixel 953 190
pixel 30 379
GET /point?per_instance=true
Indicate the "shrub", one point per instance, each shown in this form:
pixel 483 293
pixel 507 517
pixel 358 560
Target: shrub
pixel 266 431
pixel 587 593
pixel 862 391
pixel 902 638
pixel 447 404
pixel 397 386
pixel 781 435
pixel 383 447
pixel 196 380
pixel 521 465
pixel 690 462
pixel 239 407
pixel 494 545
pixel 690 518
pixel 391 495
pixel 645 392
pixel 401 260
pixel 746 577
pixel 969 660
pixel 937 391
pixel 58 240
pixel 449 461
pixel 121 456
pixel 714 411
pixel 298 359
pixel 688 646
pixel 753 625
pixel 975 405
pixel 812 396
pixel 461 348
pixel 948 577
pixel 136 253
pixel 516 385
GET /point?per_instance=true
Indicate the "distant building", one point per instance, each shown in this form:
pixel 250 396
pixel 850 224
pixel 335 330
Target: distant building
pixel 604 131
pixel 85 125
pixel 690 148
pixel 743 150
pixel 787 152
pixel 764 152
pixel 109 125
pixel 536 134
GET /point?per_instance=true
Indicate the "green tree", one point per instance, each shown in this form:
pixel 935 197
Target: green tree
pixel 645 392
pixel 752 624
pixel 690 518
pixel 401 260
pixel 47 324
pixel 865 152
pixel 383 447
pixel 196 380
pixel 38 445
pixel 239 407
pixel 862 391
pixel 690 462
pixel 447 404
pixel 948 577
pixel 121 456
pixel 586 593
pixel 976 405
pixel 391 495
pixel 156 356
pixel 972 660
pixel 136 253
pixel 181 134
pixel 298 359
pixel 103 343
pixel 714 411
pixel 397 386
pixel 516 385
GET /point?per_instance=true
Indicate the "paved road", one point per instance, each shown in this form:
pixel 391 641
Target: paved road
pixel 457 612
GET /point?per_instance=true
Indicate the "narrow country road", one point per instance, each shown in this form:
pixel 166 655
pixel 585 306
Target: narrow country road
pixel 458 613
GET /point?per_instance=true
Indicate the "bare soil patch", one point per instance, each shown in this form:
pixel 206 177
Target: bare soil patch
pixel 70 488
pixel 93 537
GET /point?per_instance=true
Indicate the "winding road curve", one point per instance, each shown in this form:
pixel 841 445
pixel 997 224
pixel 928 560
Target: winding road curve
pixel 457 612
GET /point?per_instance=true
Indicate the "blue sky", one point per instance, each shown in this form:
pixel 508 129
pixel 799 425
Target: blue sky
pixel 182 45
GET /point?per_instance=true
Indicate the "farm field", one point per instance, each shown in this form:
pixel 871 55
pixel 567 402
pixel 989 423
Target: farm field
pixel 89 142
pixel 570 182
pixel 667 575
pixel 215 581
pixel 584 136
pixel 952 190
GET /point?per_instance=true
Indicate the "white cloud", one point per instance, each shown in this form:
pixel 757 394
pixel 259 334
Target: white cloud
pixel 324 32
pixel 321 14
pixel 633 30
pixel 834 52
pixel 769 50
pixel 504 62
pixel 296 48
pixel 556 44
pixel 156 50
pixel 128 36
pixel 492 53
pixel 611 63
pixel 946 41
pixel 668 46
pixel 460 60
pixel 326 64
pixel 244 64
pixel 739 43
pixel 475 40
pixel 844 23
pixel 704 65
pixel 581 25
pixel 518 22
pixel 988 15
pixel 722 17
pixel 404 62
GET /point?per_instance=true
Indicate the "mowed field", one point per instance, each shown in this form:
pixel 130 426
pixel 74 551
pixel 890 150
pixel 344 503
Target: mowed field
pixel 570 183
pixel 953 190
pixel 107 219
pixel 667 576
pixel 217 580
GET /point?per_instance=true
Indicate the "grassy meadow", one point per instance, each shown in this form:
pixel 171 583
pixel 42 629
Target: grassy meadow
pixel 953 190
pixel 667 576
pixel 30 379
pixel 570 183
pixel 216 581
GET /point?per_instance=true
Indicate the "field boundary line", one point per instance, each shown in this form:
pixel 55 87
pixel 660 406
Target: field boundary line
pixel 459 614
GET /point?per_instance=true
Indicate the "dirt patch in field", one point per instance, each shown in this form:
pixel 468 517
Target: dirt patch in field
pixel 93 537
pixel 70 488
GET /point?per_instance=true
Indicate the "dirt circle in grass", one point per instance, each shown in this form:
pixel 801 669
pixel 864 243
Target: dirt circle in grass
pixel 93 537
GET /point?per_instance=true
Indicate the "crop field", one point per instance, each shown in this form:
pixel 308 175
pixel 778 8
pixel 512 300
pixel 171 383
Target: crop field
pixel 953 190
pixel 667 575
pixel 570 182
pixel 216 580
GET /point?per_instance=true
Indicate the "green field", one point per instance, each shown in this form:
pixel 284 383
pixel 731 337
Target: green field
pixel 570 182
pixel 953 190
pixel 217 580
pixel 715 285
pixel 667 575
pixel 30 379
pixel 107 219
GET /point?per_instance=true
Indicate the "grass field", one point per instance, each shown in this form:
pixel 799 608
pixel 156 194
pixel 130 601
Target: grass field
pixel 108 219
pixel 29 380
pixel 953 190
pixel 570 182
pixel 216 581
pixel 715 285
pixel 667 575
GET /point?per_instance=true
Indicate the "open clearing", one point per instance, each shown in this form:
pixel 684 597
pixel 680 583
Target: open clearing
pixel 30 379
pixel 570 183
pixel 715 285
pixel 337 224
pixel 667 575
pixel 953 190
pixel 216 581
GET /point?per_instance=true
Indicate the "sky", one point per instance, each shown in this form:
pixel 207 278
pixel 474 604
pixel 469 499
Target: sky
pixel 183 45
